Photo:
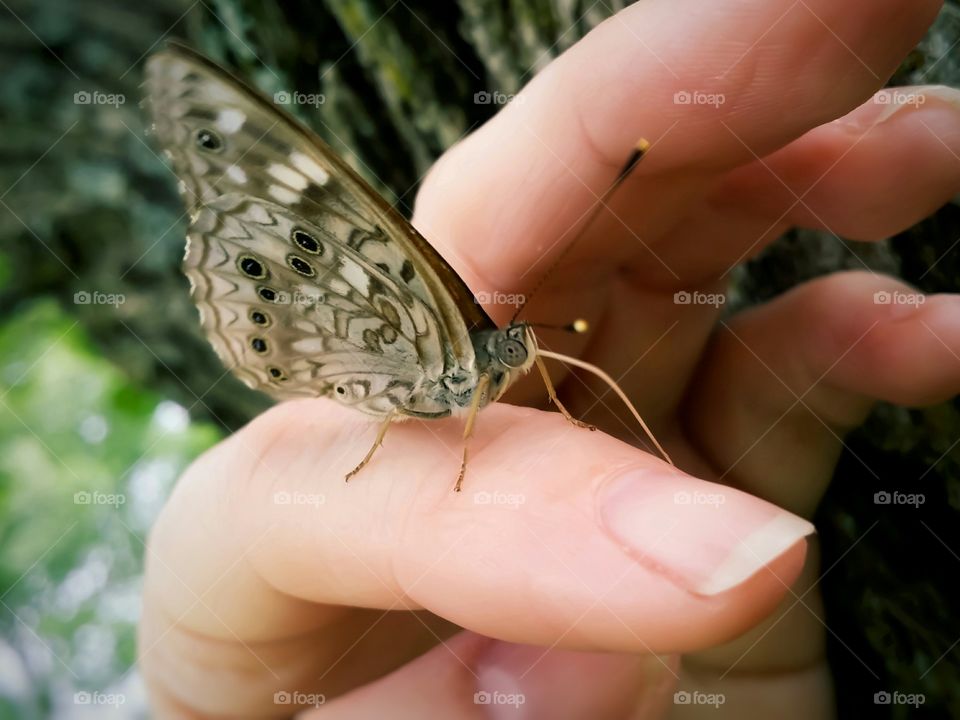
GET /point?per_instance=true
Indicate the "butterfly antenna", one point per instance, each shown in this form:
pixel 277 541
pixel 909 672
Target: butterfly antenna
pixel 613 386
pixel 639 150
pixel 578 326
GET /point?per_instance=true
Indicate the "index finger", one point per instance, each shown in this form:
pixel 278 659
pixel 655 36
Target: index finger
pixel 510 197
pixel 628 553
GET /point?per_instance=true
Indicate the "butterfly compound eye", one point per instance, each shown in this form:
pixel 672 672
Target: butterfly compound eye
pixel 208 140
pixel 512 353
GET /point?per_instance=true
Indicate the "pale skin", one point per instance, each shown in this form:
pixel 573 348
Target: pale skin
pixel 588 597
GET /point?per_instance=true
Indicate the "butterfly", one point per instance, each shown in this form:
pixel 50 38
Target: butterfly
pixel 308 283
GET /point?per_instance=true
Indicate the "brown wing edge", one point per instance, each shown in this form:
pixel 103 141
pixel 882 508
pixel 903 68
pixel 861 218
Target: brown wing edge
pixel 475 316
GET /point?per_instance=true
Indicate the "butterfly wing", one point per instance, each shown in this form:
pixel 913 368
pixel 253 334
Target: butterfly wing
pixel 307 281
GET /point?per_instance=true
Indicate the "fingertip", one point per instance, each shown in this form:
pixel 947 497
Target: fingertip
pixel 903 143
pixel 706 538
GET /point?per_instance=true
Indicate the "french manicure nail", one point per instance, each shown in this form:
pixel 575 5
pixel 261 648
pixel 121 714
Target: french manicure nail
pixel 706 538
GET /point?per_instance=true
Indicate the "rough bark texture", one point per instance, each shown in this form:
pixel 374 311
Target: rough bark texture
pixel 98 212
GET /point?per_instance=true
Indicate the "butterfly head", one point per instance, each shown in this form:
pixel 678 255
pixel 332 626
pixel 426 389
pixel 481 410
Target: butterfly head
pixel 505 354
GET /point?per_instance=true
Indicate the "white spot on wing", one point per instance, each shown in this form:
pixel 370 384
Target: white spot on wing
pixel 230 120
pixel 309 167
pixel 306 326
pixel 338 286
pixel 236 173
pixel 355 275
pixel 284 195
pixel 308 346
pixel 288 176
pixel 258 214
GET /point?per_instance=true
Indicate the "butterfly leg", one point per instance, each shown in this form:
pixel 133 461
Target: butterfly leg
pixel 555 400
pixel 376 443
pixel 478 394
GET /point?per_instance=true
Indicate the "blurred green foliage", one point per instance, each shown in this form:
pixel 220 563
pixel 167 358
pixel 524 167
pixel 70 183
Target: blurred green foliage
pixel 86 460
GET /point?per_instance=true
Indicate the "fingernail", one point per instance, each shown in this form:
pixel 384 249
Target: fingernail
pixel 706 538
pixel 524 681
pixel 890 101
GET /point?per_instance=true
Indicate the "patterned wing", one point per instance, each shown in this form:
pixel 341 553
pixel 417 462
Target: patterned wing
pixel 307 281
pixel 293 310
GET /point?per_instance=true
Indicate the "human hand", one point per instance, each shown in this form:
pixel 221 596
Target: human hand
pixel 594 565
